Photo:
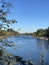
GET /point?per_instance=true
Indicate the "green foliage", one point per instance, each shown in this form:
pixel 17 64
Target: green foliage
pixel 47 32
pixel 4 12
pixel 42 33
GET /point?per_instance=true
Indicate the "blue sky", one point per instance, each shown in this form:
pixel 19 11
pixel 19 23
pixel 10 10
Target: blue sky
pixel 30 14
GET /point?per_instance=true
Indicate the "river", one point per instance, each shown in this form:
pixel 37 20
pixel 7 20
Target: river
pixel 29 47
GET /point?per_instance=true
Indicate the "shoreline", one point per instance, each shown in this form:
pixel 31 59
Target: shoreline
pixel 42 38
pixel 3 37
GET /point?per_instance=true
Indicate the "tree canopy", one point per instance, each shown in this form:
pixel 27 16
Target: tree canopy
pixel 42 33
pixel 4 11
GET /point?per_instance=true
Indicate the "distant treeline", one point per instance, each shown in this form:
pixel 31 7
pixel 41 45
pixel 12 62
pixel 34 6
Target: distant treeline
pixel 27 34
pixel 41 33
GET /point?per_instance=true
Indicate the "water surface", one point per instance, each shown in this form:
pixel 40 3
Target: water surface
pixel 32 48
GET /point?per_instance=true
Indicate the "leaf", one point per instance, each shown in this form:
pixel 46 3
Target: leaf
pixel 4 13
pixel 13 21
pixel 7 25
pixel 1 11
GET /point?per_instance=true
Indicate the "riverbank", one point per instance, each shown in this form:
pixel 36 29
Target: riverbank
pixel 5 34
pixel 3 37
pixel 43 38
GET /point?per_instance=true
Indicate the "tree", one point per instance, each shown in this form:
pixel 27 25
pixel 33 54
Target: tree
pixel 40 32
pixel 47 32
pixel 4 11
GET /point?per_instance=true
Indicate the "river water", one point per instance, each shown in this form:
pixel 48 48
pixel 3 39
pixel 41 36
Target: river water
pixel 31 48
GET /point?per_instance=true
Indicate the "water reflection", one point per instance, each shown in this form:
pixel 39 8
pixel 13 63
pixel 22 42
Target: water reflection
pixel 44 46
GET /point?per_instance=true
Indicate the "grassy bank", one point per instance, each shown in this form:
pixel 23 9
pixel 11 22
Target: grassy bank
pixel 4 34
